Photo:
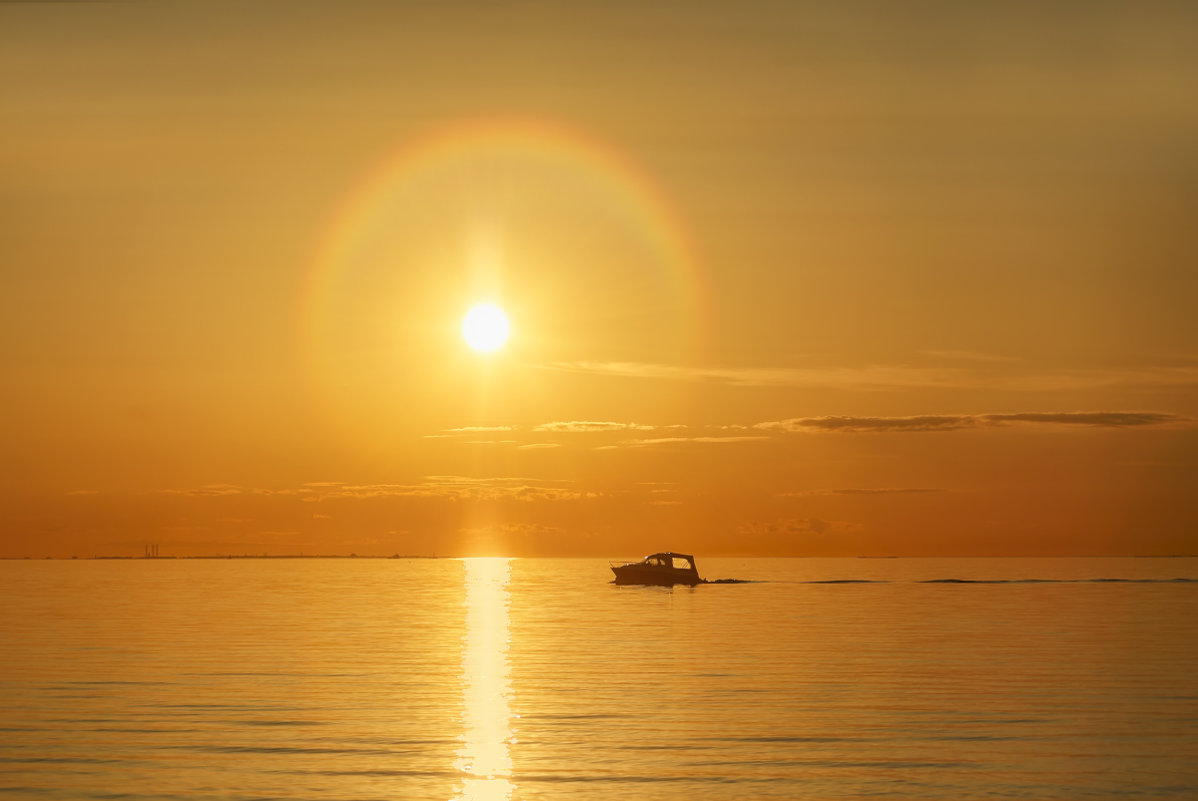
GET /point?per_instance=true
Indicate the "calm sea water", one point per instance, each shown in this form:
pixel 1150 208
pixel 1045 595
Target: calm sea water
pixel 539 679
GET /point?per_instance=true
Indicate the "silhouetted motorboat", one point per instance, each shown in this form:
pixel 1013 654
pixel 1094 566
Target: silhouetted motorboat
pixel 663 569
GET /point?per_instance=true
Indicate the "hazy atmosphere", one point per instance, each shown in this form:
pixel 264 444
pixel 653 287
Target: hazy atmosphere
pixel 852 279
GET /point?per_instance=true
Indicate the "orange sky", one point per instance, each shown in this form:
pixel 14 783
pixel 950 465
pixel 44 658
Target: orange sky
pixel 825 280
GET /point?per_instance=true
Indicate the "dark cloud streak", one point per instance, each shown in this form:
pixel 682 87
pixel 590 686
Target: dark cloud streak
pixel 861 491
pixel 942 422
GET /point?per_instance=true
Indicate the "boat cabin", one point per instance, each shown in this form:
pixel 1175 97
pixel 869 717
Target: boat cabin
pixel 665 568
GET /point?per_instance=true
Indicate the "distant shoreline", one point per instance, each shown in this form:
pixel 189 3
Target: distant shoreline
pixel 213 556
pixel 419 556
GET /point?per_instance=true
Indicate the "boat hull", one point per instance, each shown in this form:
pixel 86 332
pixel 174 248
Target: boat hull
pixel 658 577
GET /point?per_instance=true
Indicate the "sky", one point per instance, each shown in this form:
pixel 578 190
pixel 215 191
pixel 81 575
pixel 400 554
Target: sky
pixel 783 278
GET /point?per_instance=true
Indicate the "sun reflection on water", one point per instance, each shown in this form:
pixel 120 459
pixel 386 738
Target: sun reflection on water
pixel 484 758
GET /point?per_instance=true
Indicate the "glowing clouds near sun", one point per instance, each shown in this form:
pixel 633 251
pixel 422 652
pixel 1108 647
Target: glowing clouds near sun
pixel 485 328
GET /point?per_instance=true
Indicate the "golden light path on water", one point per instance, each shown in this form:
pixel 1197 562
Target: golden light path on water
pixel 484 759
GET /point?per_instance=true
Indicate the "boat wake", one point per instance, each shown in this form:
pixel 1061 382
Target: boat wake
pixel 969 581
pixel 1063 581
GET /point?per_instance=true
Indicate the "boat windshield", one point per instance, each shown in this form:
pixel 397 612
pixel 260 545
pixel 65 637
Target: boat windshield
pixel 672 561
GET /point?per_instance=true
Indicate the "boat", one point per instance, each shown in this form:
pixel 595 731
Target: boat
pixel 662 569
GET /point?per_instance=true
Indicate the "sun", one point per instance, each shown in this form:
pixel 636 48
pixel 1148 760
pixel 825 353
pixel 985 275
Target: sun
pixel 485 327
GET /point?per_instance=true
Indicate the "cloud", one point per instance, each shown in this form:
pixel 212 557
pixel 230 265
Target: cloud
pixel 1102 419
pixel 871 377
pixel 466 488
pixel 455 432
pixel 980 371
pixel 661 493
pixel 446 487
pixel 517 529
pixel 795 527
pixel 494 480
pixel 461 490
pixel 355 491
pixel 859 491
pixel 646 443
pixel 206 490
pixel 302 490
pixel 941 422
pixel 859 424
pixel 588 426
pixel 83 492
pixel 555 427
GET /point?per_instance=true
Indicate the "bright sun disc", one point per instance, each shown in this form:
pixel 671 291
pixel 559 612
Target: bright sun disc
pixel 485 327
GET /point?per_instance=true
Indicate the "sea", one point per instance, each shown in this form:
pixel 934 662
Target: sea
pixel 499 679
